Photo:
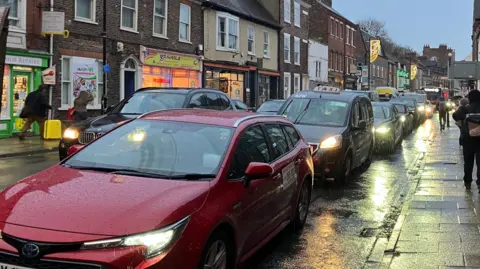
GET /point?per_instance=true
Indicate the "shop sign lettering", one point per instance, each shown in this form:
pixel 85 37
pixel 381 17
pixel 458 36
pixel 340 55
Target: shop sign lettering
pixel 166 59
pixel 22 60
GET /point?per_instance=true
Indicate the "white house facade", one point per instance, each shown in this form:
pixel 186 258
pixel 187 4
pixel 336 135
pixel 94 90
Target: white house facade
pixel 317 63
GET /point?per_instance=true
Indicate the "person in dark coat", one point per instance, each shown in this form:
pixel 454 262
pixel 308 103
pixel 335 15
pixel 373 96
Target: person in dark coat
pixel 35 110
pixel 471 145
pixel 463 103
pixel 442 112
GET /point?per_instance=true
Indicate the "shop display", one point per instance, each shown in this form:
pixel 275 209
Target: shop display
pixel 5 109
pixel 167 77
pixel 20 84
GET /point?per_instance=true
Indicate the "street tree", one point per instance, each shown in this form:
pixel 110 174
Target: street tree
pixel 374 28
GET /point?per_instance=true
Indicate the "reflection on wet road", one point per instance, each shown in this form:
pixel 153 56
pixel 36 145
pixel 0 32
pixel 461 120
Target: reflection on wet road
pixel 344 222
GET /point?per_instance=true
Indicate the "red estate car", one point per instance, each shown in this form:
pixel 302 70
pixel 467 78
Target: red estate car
pixel 172 189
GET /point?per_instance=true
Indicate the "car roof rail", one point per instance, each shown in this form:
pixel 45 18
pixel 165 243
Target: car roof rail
pixel 239 121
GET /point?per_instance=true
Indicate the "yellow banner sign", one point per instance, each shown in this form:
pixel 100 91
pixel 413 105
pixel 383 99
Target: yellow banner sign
pixel 374 50
pixel 413 71
pixel 168 59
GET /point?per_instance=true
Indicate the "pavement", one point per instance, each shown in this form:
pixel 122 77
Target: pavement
pixel 12 147
pixel 438 227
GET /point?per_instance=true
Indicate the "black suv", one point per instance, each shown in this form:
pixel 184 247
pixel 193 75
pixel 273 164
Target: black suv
pixel 142 101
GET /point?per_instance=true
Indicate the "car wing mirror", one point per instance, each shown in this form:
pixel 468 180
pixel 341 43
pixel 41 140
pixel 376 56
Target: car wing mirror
pixel 74 149
pixel 109 109
pixel 255 171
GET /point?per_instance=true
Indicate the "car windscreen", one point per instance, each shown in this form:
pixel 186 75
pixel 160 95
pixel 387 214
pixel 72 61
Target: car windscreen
pixel 143 102
pixel 270 106
pixel 317 112
pixel 164 148
pixel 420 98
pixel 381 112
pixel 401 108
pixel 409 102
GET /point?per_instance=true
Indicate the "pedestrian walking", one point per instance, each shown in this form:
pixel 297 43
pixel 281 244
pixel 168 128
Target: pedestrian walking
pixel 442 112
pixel 80 105
pixel 463 106
pixel 471 144
pixel 35 110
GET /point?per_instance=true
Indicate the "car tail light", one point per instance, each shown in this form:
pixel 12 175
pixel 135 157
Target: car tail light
pixel 313 148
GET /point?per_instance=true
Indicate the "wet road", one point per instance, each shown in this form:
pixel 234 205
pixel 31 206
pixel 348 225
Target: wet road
pixel 344 222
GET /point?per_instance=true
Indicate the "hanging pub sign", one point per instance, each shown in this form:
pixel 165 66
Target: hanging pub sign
pixel 48 76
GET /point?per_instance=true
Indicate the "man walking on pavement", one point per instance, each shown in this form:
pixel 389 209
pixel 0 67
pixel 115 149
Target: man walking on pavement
pixel 35 110
pixel 442 112
pixel 463 105
pixel 471 145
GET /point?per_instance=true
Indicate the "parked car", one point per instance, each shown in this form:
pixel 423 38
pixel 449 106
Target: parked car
pixel 386 93
pixel 388 126
pixel 142 101
pixel 239 105
pixel 407 118
pixel 270 107
pixel 373 95
pixel 421 100
pixel 412 107
pixel 338 126
pixel 170 189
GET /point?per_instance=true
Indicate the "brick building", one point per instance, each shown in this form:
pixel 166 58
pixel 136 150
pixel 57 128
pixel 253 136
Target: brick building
pixel 147 46
pixel 379 69
pixel 27 56
pixel 293 46
pixel 330 26
pixel 439 55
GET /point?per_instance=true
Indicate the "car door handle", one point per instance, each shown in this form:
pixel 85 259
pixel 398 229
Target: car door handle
pixel 277 176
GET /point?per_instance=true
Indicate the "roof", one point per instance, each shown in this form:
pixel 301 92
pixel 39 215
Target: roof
pixel 333 11
pixel 345 96
pixel 249 9
pixel 206 116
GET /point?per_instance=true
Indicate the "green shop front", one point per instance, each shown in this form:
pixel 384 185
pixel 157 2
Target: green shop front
pixel 22 74
pixel 403 82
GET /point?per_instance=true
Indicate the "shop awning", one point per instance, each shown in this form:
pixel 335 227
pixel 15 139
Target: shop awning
pixel 269 73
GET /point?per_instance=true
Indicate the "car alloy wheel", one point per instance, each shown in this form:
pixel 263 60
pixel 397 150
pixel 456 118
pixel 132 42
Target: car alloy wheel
pixel 303 204
pixel 216 256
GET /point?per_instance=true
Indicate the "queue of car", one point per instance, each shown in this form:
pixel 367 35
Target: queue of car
pixel 153 181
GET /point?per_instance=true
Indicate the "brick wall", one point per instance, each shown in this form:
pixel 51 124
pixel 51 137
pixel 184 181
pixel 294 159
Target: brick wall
pixel 35 41
pixel 85 38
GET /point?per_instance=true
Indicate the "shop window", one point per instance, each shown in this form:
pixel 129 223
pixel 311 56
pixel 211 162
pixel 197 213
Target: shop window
pixel 251 40
pixel 80 74
pixel 160 18
pixel 184 22
pixel 266 44
pixel 227 31
pixel 5 102
pixel 129 15
pixel 296 47
pixel 286 47
pixel 264 86
pixel 231 83
pixel 85 10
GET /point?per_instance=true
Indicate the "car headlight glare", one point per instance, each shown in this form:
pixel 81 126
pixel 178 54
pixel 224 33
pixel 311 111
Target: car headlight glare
pixel 429 109
pixel 155 241
pixel 70 133
pixel 382 130
pixel 421 108
pixel 331 142
pixel 402 118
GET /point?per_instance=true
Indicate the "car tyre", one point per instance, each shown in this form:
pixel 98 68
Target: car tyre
pixel 303 205
pixel 345 172
pixel 218 252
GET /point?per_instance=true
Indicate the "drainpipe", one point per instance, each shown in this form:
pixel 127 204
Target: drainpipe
pixel 104 102
pixel 51 113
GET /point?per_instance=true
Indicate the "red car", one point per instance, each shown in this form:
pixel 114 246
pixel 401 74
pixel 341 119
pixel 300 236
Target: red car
pixel 171 189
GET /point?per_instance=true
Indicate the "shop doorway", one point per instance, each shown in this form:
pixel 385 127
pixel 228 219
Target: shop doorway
pixel 21 87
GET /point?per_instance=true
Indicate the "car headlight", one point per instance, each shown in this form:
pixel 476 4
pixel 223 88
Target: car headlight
pixel 429 109
pixel 402 118
pixel 382 130
pixel 331 142
pixel 155 241
pixel 421 108
pixel 70 133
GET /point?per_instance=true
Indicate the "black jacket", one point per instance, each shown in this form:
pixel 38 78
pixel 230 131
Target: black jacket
pixel 37 103
pixel 462 111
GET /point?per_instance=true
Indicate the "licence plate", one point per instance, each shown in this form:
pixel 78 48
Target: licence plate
pixel 9 266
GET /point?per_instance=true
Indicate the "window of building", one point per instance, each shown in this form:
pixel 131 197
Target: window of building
pixel 318 69
pixel 251 40
pixel 160 18
pixel 378 71
pixel 335 28
pixel 330 60
pixel 286 10
pixel 352 40
pixel 340 63
pixel 335 64
pixel 287 84
pixel 341 30
pixel 347 35
pixel 266 44
pixel 227 32
pixel 286 47
pixel 84 10
pixel 73 70
pixel 297 13
pixel 129 15
pixel 296 47
pixel 17 14
pixel 296 82
pixel 331 25
pixel 184 34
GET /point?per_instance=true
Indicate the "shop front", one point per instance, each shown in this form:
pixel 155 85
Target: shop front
pixel 335 79
pixel 170 69
pixel 22 74
pixel 267 86
pixel 232 80
pixel 403 80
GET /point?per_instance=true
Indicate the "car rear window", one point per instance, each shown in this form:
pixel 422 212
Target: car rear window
pixel 382 112
pixel 161 147
pixel 401 108
pixel 143 102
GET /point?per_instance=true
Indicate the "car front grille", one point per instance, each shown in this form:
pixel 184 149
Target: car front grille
pixel 86 137
pixel 44 263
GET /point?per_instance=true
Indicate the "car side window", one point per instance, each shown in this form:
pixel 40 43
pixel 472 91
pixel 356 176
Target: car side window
pixel 370 111
pixel 225 102
pixel 240 105
pixel 213 101
pixel 278 141
pixel 355 114
pixel 292 134
pixel 363 110
pixel 198 100
pixel 252 147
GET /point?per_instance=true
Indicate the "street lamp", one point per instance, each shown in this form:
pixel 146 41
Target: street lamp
pixel 448 70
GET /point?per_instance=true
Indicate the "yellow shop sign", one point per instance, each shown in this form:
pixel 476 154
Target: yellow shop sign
pixel 168 59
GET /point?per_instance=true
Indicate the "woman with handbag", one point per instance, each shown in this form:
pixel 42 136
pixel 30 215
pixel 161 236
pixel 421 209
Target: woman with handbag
pixel 80 105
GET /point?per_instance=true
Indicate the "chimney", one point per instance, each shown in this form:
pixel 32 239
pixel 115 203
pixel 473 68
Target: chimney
pixel 327 2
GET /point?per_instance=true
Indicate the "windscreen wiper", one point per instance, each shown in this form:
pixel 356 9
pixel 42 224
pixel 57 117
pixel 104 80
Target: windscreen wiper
pixel 303 113
pixel 129 172
pixel 193 176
